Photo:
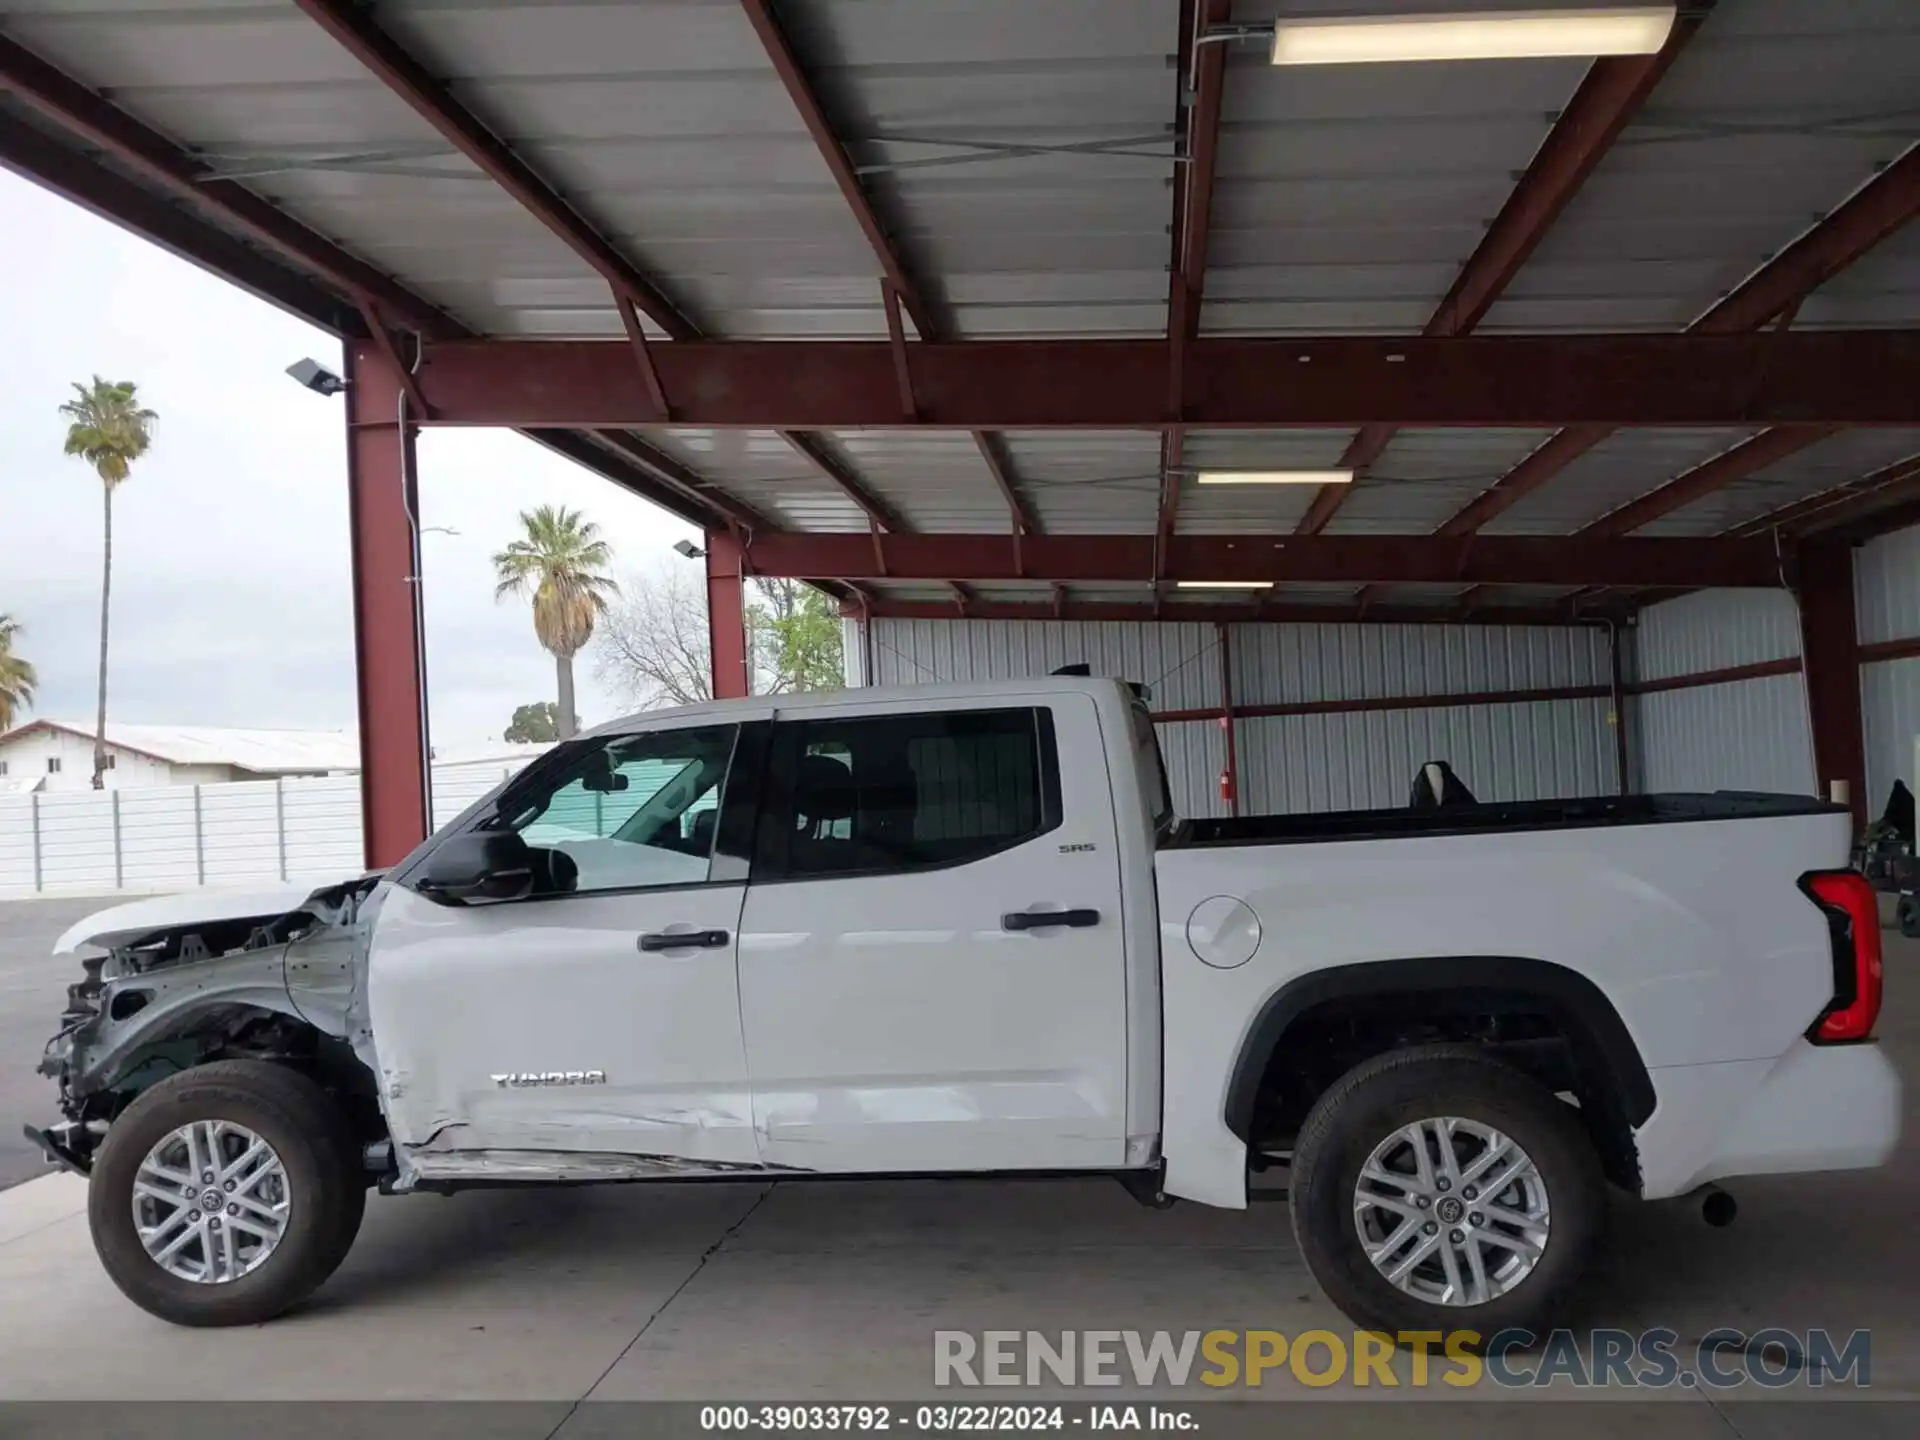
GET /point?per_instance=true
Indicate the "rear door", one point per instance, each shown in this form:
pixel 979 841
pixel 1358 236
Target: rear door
pixel 908 998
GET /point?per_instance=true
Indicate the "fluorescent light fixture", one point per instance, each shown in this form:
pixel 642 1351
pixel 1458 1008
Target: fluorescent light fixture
pixel 1274 477
pixel 1223 585
pixel 1488 35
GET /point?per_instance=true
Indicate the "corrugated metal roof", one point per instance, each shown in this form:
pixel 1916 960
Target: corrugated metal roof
pixel 265 752
pixel 1021 152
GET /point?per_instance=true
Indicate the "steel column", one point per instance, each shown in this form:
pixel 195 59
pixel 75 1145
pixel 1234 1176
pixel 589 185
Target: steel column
pixel 1830 651
pixel 1226 716
pixel 390 667
pixel 727 617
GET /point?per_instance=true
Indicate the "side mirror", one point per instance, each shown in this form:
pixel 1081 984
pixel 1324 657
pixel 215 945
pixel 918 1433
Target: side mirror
pixel 480 865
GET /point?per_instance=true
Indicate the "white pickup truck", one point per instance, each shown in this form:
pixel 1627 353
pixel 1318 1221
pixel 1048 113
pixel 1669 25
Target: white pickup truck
pixel 959 929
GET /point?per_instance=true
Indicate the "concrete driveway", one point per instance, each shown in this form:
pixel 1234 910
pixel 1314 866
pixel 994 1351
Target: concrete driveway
pixel 830 1291
pixel 33 990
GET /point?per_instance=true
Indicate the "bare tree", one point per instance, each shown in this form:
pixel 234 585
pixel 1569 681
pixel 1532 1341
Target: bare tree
pixel 652 645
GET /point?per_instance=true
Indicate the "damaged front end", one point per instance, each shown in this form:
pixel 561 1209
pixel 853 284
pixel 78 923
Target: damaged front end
pixel 273 974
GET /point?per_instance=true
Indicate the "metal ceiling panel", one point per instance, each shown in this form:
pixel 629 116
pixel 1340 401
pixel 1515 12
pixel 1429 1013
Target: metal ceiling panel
pixel 1774 114
pixel 1834 461
pixel 1623 467
pixel 762 469
pixel 1233 509
pixel 1425 476
pixel 1088 483
pixel 936 480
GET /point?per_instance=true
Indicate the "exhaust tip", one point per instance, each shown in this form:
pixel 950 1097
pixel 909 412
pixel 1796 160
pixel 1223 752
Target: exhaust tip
pixel 1719 1209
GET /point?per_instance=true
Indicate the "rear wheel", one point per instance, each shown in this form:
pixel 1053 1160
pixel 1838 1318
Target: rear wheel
pixel 1438 1189
pixel 226 1194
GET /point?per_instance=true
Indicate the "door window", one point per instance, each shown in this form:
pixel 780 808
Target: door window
pixel 898 793
pixel 627 811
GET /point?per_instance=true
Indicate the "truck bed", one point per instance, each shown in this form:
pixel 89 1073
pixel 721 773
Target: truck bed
pixel 1487 818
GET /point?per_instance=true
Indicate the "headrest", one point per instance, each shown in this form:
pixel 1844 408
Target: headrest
pixel 823 789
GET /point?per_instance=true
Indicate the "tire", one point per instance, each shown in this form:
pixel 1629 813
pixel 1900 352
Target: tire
pixel 320 1183
pixel 1363 1110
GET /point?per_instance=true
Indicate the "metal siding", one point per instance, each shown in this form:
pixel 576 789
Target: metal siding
pixel 1886 579
pixel 1890 718
pixel 1278 664
pixel 1714 630
pixel 1365 761
pixel 1195 752
pixel 1749 735
pixel 1180 662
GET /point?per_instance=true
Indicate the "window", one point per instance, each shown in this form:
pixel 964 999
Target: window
pixel 53 765
pixel 3 767
pixel 624 812
pixel 107 762
pixel 1154 793
pixel 909 792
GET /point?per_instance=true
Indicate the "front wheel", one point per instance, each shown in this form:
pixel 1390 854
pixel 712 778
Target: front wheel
pixel 1438 1189
pixel 226 1194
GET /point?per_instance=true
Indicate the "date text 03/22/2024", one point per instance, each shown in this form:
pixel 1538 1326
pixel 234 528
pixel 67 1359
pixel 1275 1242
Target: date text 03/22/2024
pixel 937 1419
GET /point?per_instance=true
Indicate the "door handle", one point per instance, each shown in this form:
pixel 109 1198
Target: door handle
pixel 1039 919
pixel 684 940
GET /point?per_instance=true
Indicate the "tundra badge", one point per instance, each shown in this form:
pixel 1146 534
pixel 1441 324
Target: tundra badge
pixel 519 1079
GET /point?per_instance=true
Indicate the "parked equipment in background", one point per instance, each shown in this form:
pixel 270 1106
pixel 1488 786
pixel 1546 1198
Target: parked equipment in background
pixel 1437 787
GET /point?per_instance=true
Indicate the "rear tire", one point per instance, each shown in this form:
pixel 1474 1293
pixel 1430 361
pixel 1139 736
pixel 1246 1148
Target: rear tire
pixel 1485 1281
pixel 277 1243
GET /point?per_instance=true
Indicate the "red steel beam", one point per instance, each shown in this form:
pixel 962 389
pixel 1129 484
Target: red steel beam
pixel 1749 457
pixel 786 65
pixel 1876 210
pixel 1830 649
pixel 1197 132
pixel 1609 97
pixel 899 289
pixel 1853 377
pixel 353 27
pixel 1333 559
pixel 143 149
pixel 732 665
pixel 389 661
pixel 1182 611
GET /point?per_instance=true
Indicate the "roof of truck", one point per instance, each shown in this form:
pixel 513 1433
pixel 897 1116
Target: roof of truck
pixel 878 695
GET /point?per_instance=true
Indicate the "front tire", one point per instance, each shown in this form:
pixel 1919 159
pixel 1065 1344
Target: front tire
pixel 1436 1188
pixel 226 1194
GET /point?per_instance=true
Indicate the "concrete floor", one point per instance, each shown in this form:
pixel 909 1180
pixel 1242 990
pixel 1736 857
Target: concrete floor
pixel 831 1291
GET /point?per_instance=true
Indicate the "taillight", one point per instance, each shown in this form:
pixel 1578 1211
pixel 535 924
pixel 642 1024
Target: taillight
pixel 1853 917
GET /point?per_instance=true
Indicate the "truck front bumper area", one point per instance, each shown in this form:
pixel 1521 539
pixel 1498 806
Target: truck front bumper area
pixel 1817 1107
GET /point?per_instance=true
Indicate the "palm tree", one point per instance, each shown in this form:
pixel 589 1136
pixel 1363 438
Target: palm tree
pixel 560 562
pixel 16 675
pixel 109 431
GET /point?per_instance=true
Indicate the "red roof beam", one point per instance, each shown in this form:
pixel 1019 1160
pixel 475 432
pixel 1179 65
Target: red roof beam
pixel 353 27
pixel 1854 377
pixel 1334 559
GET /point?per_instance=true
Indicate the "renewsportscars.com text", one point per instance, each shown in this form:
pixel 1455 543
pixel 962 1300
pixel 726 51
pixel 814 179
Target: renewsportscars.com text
pixel 1647 1359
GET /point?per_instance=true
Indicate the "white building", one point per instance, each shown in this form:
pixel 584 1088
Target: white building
pixel 44 756
pixel 50 755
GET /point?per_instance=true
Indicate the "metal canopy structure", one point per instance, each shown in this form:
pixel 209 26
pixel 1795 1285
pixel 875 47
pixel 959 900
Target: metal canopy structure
pixel 950 307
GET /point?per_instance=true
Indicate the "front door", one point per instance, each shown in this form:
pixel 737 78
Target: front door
pixel 908 1005
pixel 600 1013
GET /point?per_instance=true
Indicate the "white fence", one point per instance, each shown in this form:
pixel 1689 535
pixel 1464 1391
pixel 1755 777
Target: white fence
pixel 175 837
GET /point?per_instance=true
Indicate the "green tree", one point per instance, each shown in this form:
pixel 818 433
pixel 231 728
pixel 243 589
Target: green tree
pixel 534 724
pixel 16 675
pixel 560 563
pixel 796 637
pixel 109 430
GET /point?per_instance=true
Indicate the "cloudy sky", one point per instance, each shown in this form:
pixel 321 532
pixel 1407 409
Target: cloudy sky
pixel 230 594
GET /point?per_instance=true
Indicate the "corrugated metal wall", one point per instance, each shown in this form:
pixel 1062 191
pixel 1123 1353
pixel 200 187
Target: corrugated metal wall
pixel 1307 762
pixel 1887 586
pixel 1743 735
